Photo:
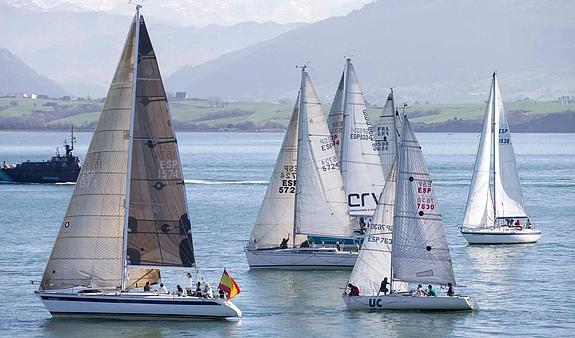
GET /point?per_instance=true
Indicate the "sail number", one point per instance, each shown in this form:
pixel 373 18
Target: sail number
pixel 168 169
pixel 425 202
pixel 380 145
pixel 288 179
pixel 379 240
pixel 329 164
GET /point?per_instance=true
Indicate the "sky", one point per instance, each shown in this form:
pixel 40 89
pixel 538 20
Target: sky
pixel 204 12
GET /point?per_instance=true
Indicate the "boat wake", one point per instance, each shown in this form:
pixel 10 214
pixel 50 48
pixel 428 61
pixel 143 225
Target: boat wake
pixel 209 182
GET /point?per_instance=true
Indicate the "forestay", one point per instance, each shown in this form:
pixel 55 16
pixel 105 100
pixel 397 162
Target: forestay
pixel 479 208
pixel 360 164
pixel 335 117
pixel 321 207
pixel 508 193
pixel 88 249
pixel 420 251
pixel 276 217
pixel 159 228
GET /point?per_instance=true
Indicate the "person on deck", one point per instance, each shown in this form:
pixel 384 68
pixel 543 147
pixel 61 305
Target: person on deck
pixel 147 287
pixel 284 243
pixel 420 291
pixel 383 287
pixel 430 291
pixel 353 290
pixel 208 291
pixel 517 223
pixel 190 282
pixel 198 289
pixel 450 291
pixel 163 289
pixel 337 246
pixel 179 290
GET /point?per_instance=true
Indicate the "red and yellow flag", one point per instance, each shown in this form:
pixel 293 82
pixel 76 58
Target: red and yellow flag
pixel 229 285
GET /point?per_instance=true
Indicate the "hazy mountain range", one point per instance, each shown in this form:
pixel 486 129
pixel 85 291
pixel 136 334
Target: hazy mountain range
pixel 80 50
pixel 204 12
pixel 437 50
pixel 17 77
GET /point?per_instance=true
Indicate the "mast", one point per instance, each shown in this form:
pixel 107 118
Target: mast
pixel 494 148
pixel 124 265
pixel 396 157
pixel 72 139
pixel 299 140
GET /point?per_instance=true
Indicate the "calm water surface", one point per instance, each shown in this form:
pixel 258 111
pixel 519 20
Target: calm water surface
pixel 522 290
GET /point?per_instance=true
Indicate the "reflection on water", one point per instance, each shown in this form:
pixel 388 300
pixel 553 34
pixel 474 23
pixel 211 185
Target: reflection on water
pixel 521 290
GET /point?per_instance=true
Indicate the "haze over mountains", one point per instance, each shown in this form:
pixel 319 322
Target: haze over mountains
pixel 80 50
pixel 17 77
pixel 437 50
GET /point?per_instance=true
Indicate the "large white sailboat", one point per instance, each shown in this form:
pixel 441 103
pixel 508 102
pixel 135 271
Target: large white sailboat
pixel 128 215
pixel 353 133
pixel 497 215
pixel 406 243
pixel 312 204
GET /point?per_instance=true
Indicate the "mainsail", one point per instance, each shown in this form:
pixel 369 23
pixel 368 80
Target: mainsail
pixel 335 117
pixel 420 251
pixel 479 209
pixel 321 207
pixel 276 217
pixel 387 135
pixel 360 164
pixel 131 177
pixel 508 194
pixel 159 228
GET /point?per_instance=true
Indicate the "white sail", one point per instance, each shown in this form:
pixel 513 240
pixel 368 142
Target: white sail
pixel 88 249
pixel 276 217
pixel 360 164
pixel 387 135
pixel 508 193
pixel 420 250
pixel 321 207
pixel 335 116
pixel 374 261
pixel 479 208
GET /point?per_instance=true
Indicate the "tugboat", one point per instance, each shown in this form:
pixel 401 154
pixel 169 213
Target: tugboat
pixel 61 168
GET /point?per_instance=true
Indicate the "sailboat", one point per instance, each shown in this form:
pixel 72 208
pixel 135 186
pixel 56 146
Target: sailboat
pixel 128 215
pixel 353 133
pixel 497 215
pixel 312 204
pixel 406 243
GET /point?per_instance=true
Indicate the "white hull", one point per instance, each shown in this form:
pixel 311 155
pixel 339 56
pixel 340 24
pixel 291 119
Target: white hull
pixel 136 306
pixel 504 235
pixel 407 301
pixel 301 258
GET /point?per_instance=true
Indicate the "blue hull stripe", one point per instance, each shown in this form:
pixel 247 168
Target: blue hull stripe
pixel 126 300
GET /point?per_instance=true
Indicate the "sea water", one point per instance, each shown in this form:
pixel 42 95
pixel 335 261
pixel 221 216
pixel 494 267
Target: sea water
pixel 524 290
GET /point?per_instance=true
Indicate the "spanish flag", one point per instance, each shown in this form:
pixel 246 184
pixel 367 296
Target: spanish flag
pixel 229 285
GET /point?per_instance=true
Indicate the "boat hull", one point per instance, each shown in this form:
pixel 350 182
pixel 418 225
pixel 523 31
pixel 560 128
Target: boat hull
pixel 137 306
pixel 501 236
pixel 409 302
pixel 301 258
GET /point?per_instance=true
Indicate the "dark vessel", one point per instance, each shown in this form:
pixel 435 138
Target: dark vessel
pixel 61 168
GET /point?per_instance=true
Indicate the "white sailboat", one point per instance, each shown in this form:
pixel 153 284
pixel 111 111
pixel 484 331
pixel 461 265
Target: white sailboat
pixel 128 215
pixel 312 204
pixel 406 243
pixel 361 168
pixel 496 216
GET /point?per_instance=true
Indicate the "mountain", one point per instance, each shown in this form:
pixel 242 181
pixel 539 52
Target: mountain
pixel 16 77
pixel 205 12
pixel 80 49
pixel 436 50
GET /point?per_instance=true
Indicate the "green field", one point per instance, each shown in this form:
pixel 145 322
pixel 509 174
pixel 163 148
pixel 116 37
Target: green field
pixel 206 115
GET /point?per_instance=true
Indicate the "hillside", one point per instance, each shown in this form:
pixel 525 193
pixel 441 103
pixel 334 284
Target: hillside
pixel 214 115
pixel 17 77
pixel 438 50
pixel 80 50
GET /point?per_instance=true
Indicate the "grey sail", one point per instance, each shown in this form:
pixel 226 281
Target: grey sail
pixel 420 251
pixel 335 116
pixel 88 249
pixel 159 228
pixel 387 135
